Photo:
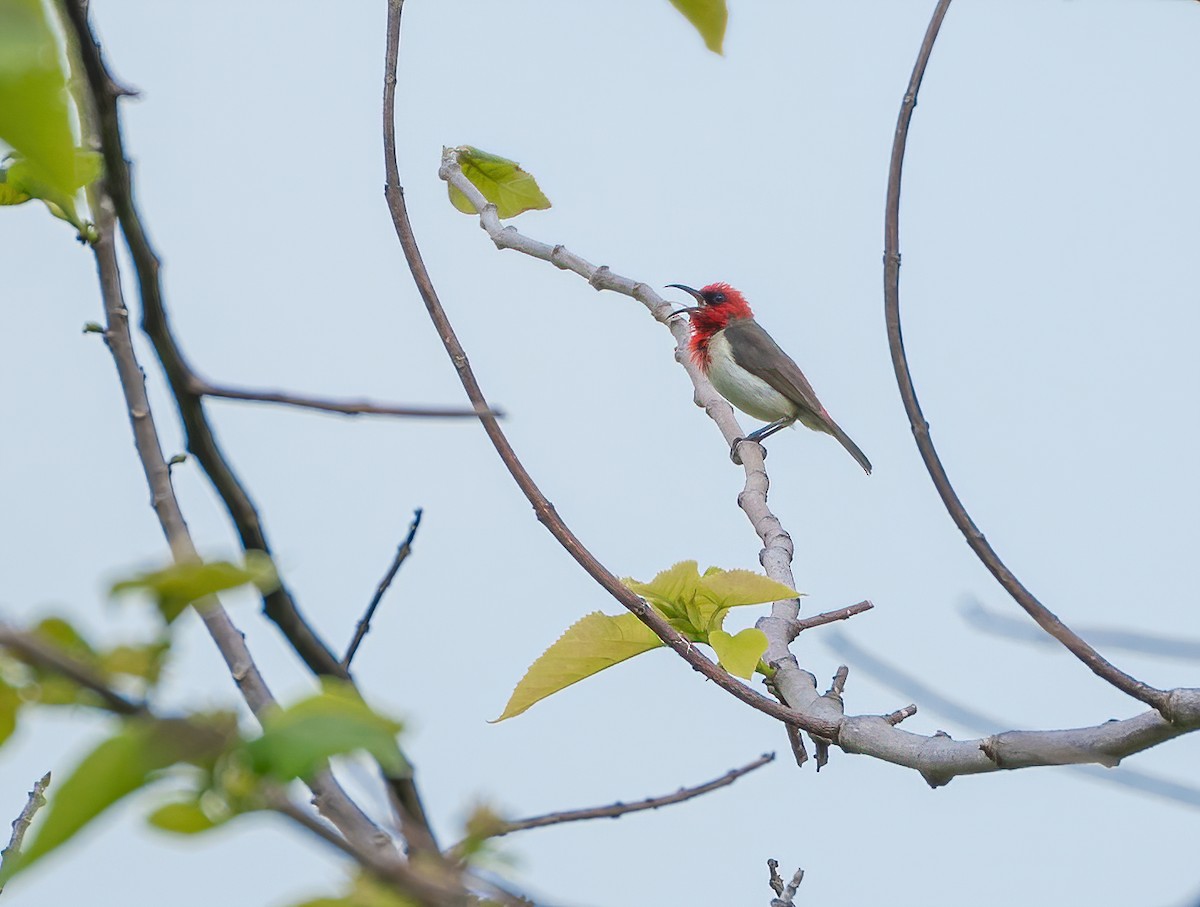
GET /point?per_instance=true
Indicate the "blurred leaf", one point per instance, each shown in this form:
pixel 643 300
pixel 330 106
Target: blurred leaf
pixel 10 704
pixel 179 585
pixel 297 740
pixel 144 662
pixel 184 817
pixel 502 182
pixel 364 892
pixel 739 654
pixel 590 645
pixel 120 765
pixel 35 118
pixel 709 17
pixel 62 634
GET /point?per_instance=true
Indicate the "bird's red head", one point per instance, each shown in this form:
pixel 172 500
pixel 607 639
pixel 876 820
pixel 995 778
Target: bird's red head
pixel 717 305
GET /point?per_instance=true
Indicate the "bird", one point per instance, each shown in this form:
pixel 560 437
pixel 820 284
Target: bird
pixel 750 370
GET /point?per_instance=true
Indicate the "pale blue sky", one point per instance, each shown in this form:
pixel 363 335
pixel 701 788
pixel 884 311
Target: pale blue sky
pixel 1049 233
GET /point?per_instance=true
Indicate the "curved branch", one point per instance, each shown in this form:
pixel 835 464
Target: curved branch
pixel 1045 618
pixel 331 405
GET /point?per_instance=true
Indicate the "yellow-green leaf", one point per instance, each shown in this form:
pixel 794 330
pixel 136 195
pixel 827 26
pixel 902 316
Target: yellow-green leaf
pixel 297 740
pixel 590 645
pixel 709 17
pixel 697 604
pixel 739 654
pixel 179 585
pixel 35 118
pixel 184 817
pixel 502 182
pixel 10 704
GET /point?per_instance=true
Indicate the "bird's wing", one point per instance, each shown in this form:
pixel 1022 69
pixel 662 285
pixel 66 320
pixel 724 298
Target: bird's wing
pixel 752 347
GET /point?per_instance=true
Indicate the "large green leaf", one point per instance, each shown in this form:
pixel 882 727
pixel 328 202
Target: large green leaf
pixel 35 115
pixel 177 586
pixel 592 644
pixel 502 182
pixel 122 764
pixel 297 740
pixel 709 18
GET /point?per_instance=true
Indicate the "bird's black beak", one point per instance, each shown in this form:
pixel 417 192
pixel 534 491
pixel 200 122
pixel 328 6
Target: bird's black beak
pixel 690 291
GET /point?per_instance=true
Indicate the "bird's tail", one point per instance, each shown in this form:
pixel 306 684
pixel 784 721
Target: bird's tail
pixel 844 440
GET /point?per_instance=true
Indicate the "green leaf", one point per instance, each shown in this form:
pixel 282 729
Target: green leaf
pixel 10 704
pixel 144 662
pixel 62 634
pixel 502 182
pixel 697 604
pixel 709 17
pixel 179 585
pixel 297 740
pixel 739 654
pixel 592 644
pixel 184 817
pixel 35 118
pixel 120 765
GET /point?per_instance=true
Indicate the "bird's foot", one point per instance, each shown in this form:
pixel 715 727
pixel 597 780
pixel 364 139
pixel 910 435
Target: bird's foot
pixel 733 449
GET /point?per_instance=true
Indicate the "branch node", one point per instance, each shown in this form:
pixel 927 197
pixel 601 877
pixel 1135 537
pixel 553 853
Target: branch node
pixel 600 278
pixel 900 714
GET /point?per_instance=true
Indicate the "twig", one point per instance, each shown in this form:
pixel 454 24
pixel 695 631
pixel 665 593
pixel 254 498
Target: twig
pixel 828 617
pixel 894 718
pixel 364 624
pixel 786 895
pixel 616 810
pixel 20 825
pixel 110 199
pixel 1045 618
pixel 32 650
pixel 330 405
pixel 545 511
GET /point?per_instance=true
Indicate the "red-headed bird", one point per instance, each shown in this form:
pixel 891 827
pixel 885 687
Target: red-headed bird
pixel 750 370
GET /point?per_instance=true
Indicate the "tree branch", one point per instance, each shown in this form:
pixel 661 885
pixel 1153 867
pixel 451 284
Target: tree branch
pixel 30 649
pixel 1045 618
pixel 828 617
pixel 100 123
pixel 616 810
pixel 202 388
pixel 601 278
pixel 20 825
pixel 364 624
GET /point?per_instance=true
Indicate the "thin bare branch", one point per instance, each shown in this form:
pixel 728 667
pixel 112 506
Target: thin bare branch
pixel 111 199
pixel 828 617
pixel 894 718
pixel 616 810
pixel 30 649
pixel 1044 617
pixel 364 623
pixel 331 405
pixel 20 825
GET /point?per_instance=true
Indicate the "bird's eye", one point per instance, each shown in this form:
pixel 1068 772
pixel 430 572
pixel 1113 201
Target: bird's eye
pixel 719 297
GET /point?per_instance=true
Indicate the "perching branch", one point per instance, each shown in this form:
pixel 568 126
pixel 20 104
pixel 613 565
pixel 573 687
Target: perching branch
pixel 616 810
pixel 20 825
pixel 364 624
pixel 1044 617
pixel 31 650
pixel 785 894
pixel 601 278
pixel 202 388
